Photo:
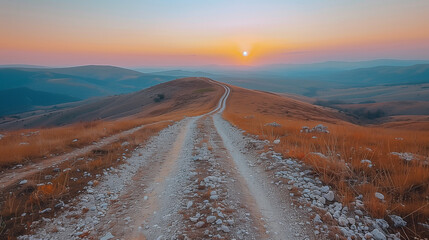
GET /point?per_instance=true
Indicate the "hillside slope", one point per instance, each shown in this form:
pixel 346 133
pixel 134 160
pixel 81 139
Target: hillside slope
pixel 174 96
pixel 81 82
pixel 18 100
pixel 383 75
pixel 252 102
pixel 359 162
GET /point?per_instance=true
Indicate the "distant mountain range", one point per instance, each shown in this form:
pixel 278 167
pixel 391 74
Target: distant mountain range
pixel 350 81
pixel 21 66
pixel 315 85
pixel 382 75
pixel 335 66
pixel 182 73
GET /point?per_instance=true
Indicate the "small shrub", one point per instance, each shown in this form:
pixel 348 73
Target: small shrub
pixel 159 97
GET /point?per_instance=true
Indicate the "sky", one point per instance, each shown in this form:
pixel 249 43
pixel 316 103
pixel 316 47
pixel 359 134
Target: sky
pixel 136 33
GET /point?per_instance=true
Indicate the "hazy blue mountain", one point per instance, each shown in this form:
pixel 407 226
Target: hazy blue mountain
pixel 183 73
pixel 81 82
pixel 21 66
pixel 383 75
pixel 19 100
pixel 318 85
pixel 41 80
pixel 99 72
pixel 334 66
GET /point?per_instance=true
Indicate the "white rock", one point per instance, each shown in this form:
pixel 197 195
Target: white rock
pixel 305 129
pixel 214 197
pixel 382 223
pixel 273 124
pixel 45 210
pixel 351 221
pixel 379 195
pixel 224 228
pixel 378 235
pixel 219 221
pixel 343 221
pixel 404 156
pixel 320 128
pixel 329 196
pixel 107 236
pixel 358 212
pixel 277 141
pixel 348 233
pixel 322 200
pixel 23 182
pixel 368 236
pixel 398 221
pixel 199 224
pixel 317 219
pixel 189 204
pixel 324 189
pixel 319 154
pixel 211 219
pixel 367 162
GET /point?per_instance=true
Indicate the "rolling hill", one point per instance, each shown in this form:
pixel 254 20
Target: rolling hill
pixel 80 82
pixel 170 97
pixel 18 100
pixel 381 75
pixel 327 81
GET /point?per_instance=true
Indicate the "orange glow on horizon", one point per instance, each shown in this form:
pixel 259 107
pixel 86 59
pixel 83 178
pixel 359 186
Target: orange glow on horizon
pixel 211 33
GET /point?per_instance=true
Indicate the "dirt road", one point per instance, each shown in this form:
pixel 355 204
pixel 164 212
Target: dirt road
pixel 196 180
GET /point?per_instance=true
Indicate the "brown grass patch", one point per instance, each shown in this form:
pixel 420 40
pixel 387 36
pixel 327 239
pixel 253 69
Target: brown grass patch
pixel 31 198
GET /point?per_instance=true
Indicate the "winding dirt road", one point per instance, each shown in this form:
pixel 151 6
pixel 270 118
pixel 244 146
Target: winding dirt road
pixel 196 180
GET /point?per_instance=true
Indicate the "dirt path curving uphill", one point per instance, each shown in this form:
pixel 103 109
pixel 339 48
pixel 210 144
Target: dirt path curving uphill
pixel 195 180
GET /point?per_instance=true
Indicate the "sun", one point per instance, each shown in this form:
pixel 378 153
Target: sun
pixel 245 53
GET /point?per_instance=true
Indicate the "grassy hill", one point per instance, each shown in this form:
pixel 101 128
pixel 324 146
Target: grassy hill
pixel 80 82
pixel 23 99
pixel 177 96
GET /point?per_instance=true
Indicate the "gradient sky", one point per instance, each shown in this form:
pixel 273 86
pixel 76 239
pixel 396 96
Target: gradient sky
pixel 162 33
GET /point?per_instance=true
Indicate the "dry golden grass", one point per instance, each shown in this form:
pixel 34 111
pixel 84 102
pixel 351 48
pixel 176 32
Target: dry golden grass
pixel 405 184
pixel 33 197
pixel 32 144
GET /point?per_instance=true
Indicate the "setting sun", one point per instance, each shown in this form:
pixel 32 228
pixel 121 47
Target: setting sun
pixel 245 53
